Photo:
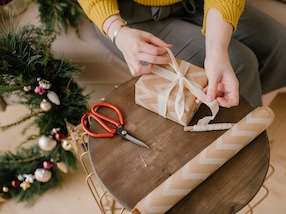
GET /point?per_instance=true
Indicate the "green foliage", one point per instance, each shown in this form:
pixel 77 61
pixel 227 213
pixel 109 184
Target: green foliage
pixel 25 161
pixel 25 60
pixel 28 49
pixel 60 14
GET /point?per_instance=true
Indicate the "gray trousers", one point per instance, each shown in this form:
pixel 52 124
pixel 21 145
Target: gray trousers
pixel 257 49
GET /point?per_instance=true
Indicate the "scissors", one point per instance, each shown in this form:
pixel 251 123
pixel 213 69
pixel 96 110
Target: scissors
pixel 102 120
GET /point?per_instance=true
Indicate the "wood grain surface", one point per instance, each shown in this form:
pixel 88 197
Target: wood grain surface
pixel 119 166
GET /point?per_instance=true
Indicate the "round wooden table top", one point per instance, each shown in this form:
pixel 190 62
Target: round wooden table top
pixel 119 164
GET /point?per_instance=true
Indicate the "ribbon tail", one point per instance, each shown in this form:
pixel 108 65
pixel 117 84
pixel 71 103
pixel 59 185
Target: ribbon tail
pixel 213 106
pixel 180 102
pixel 163 99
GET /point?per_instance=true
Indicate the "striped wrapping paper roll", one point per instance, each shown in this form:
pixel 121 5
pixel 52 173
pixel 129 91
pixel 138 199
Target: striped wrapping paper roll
pixel 182 182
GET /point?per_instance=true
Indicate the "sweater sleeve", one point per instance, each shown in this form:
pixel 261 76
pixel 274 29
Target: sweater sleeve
pixel 230 10
pixel 99 10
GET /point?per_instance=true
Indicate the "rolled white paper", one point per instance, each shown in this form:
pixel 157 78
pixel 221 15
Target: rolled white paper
pixel 182 182
pixel 209 127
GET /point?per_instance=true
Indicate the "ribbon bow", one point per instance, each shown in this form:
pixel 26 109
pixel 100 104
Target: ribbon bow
pixel 178 78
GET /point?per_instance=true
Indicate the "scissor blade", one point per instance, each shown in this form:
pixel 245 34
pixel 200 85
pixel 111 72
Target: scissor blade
pixel 136 141
pixel 123 133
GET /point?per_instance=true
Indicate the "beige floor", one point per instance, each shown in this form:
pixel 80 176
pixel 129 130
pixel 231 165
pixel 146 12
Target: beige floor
pixel 74 197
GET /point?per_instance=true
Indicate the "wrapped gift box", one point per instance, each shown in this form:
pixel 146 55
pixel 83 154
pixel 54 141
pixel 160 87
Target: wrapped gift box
pixel 171 90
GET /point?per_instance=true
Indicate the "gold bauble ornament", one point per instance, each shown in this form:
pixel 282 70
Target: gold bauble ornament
pixel 66 145
pixel 45 105
pixel 25 185
pixel 5 189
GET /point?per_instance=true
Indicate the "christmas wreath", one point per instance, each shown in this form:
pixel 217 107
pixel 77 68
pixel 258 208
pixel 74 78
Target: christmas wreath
pixel 56 103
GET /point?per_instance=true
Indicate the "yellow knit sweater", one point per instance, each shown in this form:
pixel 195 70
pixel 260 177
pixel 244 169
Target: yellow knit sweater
pixel 99 10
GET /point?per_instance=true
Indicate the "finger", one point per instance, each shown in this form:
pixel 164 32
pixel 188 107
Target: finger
pixel 228 95
pixel 154 57
pixel 153 46
pixel 211 90
pixel 229 99
pixel 198 101
pixel 157 42
pixel 220 90
pixel 154 49
pixel 137 68
pixel 145 68
pixel 227 102
pixel 157 60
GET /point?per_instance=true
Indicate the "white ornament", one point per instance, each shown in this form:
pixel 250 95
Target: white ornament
pixel 45 105
pixel 20 177
pixel 53 97
pixel 62 167
pixel 45 84
pixel 29 178
pixel 46 143
pixel 55 130
pixel 42 175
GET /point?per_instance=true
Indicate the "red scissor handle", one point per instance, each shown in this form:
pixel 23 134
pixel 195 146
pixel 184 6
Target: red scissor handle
pixel 108 105
pixel 100 119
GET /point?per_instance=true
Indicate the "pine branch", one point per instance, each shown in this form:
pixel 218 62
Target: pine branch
pixel 24 119
pixel 9 89
pixel 58 15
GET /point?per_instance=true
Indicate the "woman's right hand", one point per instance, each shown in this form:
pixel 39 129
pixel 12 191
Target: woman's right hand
pixel 141 50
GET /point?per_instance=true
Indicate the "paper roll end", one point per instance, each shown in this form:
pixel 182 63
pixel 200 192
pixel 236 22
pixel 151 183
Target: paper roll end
pixel 268 110
pixel 136 211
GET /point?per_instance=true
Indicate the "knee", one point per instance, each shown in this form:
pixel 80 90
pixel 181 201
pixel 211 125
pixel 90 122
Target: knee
pixel 245 65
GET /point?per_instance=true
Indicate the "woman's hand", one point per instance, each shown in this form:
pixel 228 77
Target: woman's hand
pixel 222 81
pixel 141 50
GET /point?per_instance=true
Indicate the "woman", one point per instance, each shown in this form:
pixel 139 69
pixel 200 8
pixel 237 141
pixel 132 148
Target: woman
pixel 239 47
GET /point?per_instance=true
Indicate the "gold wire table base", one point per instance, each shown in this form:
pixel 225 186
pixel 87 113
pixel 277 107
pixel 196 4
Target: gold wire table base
pixel 106 203
pixel 263 187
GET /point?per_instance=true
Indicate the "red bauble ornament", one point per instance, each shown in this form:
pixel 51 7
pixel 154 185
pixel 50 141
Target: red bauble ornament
pixel 60 136
pixel 15 183
pixel 47 165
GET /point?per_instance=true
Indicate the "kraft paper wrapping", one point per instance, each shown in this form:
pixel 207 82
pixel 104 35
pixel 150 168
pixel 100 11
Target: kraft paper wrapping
pixel 171 91
pixel 205 163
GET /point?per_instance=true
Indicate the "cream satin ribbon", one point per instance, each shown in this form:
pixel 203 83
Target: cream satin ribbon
pixel 179 79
